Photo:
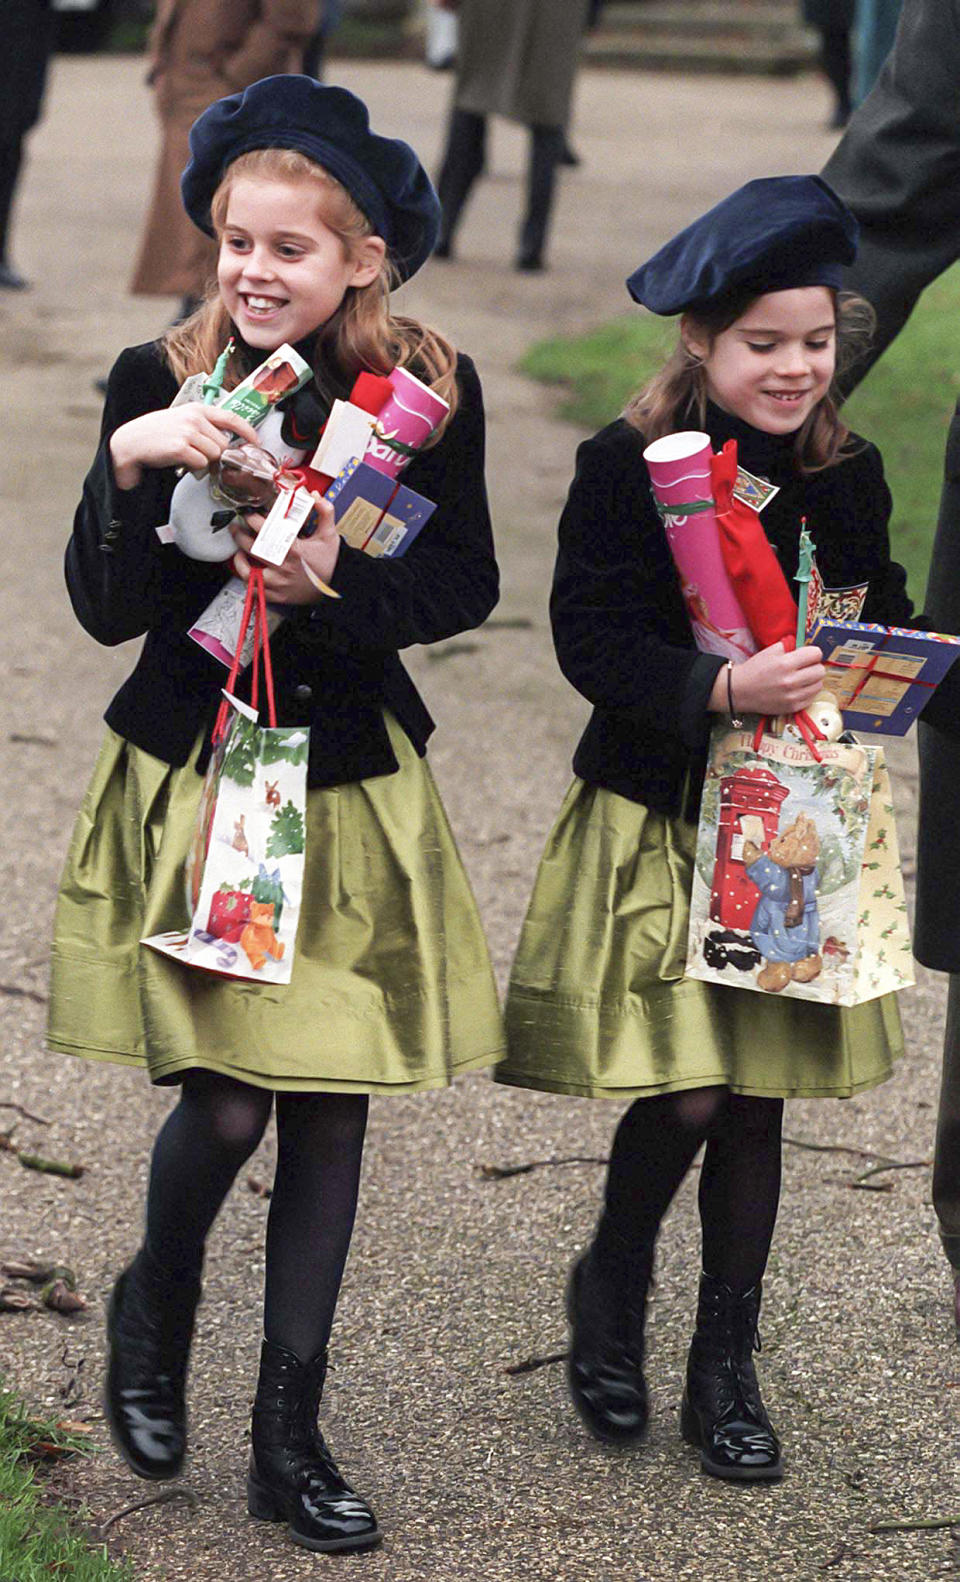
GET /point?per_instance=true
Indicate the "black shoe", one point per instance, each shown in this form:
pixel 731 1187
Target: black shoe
pixel 10 280
pixel 444 248
pixel 149 1329
pixel 722 1413
pixel 530 263
pixel 293 1477
pixel 605 1364
pixel 569 156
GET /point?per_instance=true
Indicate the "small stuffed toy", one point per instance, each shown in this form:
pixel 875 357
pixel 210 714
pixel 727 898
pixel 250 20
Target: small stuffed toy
pixel 825 713
pixel 786 923
pixel 258 938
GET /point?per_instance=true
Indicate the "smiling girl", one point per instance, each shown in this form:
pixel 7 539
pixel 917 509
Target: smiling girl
pixel 391 992
pixel 598 1004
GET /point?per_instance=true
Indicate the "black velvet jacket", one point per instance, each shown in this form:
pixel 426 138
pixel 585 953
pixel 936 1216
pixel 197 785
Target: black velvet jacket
pixel 622 634
pixel 335 663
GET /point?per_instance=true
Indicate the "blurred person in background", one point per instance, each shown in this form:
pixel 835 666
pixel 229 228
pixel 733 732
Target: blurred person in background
pixel 329 13
pixel 516 58
pixel 876 29
pixel 201 50
pixel 833 20
pixel 27 40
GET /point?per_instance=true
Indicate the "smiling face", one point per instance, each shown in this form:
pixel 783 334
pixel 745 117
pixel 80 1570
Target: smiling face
pixel 282 271
pixel 775 362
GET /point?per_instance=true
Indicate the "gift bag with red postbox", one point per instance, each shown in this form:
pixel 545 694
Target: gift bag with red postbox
pixel 797 888
pixel 244 871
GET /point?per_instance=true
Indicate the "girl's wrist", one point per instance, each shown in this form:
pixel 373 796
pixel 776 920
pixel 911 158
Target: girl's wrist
pixel 732 710
pixel 127 472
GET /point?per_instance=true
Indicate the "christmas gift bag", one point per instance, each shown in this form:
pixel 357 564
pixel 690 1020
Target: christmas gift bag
pixel 244 872
pixel 797 887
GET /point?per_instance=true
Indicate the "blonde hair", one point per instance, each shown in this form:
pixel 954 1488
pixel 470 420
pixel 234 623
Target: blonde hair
pixel 678 393
pixel 362 335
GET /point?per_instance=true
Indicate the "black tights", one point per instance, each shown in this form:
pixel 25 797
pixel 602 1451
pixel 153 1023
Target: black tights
pixel 202 1145
pixel 654 1147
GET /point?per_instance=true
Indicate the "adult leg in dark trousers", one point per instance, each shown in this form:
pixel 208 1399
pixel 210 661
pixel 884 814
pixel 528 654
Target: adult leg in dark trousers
pixel 937 928
pixel 837 62
pixel 10 157
pixel 546 151
pixel 946 1159
pixel 462 164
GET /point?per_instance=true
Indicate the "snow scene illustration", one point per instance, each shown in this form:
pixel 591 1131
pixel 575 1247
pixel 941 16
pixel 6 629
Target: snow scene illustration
pixel 244 873
pixel 797 888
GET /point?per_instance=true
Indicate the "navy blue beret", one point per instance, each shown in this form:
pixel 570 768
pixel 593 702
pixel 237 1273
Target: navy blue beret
pixel 331 126
pixel 773 234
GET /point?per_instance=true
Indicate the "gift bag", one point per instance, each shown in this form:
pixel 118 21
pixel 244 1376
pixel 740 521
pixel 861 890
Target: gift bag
pixel 797 887
pixel 244 871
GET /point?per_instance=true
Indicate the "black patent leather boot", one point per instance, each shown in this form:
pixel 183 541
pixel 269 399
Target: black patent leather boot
pixel 722 1413
pixel 605 1362
pixel 293 1477
pixel 149 1330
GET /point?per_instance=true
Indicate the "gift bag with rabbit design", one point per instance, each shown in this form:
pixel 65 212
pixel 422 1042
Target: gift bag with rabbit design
pixel 244 871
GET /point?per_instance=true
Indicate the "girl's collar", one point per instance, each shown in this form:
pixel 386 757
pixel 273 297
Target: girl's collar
pixel 253 356
pixel 755 448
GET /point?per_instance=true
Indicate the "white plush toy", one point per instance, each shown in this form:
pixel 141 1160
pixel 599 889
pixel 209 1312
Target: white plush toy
pixel 195 503
pixel 825 713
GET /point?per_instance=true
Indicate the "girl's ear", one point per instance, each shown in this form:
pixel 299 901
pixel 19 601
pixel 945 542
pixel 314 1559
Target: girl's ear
pixel 368 260
pixel 693 338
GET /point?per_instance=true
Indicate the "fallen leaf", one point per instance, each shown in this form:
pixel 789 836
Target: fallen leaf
pixel 61 1298
pixel 14 1301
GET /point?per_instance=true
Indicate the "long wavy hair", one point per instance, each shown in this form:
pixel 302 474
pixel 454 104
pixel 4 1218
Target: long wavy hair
pixel 362 335
pixel 677 395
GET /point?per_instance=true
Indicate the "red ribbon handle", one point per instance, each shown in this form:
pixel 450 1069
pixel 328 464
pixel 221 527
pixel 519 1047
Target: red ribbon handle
pixel 255 608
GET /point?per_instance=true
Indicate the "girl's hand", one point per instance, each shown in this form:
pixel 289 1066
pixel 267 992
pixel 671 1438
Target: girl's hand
pixel 191 436
pixel 289 583
pixel 771 682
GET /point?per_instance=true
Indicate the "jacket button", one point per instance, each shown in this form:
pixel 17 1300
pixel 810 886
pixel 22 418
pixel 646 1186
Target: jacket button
pixel 303 693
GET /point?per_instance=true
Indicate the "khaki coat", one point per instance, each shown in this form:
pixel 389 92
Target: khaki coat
pixel 201 50
pixel 518 58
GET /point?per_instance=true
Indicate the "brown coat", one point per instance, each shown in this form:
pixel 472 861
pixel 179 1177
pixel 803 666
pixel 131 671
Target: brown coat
pixel 518 58
pixel 201 50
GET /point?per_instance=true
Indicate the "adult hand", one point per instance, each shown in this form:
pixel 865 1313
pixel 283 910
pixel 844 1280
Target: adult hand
pixel 772 682
pixel 191 436
pixel 291 583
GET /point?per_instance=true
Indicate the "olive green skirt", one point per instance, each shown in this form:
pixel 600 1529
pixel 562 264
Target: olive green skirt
pixel 598 1004
pixel 391 990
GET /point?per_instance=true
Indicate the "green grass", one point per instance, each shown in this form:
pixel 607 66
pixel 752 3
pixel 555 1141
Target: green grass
pixel 38 1542
pixel 904 404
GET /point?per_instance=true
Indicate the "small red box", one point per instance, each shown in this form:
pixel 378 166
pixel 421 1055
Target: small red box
pixel 229 914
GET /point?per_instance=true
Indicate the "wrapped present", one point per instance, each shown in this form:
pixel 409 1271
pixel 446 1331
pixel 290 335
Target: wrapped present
pixel 679 467
pixel 229 913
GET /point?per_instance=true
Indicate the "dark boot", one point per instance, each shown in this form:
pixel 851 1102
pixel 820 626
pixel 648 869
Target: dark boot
pixel 722 1412
pixel 462 164
pixel 605 1363
pixel 293 1477
pixel 546 150
pixel 149 1329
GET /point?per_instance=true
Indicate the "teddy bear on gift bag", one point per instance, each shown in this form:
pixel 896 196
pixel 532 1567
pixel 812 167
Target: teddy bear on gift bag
pixel 786 923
